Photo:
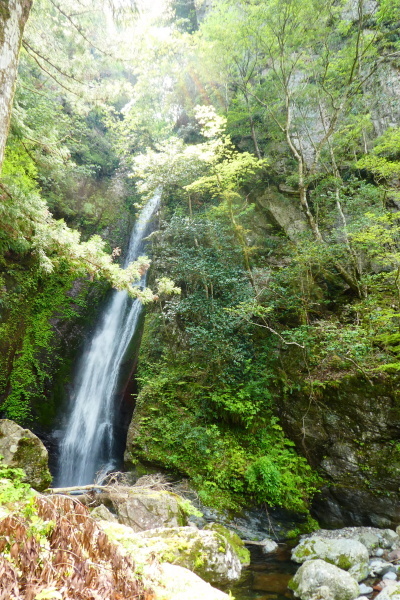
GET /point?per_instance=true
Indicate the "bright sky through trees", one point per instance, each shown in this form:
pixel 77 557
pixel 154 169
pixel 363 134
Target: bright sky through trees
pixel 154 7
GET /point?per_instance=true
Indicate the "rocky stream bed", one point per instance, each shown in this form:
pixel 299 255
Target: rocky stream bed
pixel 183 552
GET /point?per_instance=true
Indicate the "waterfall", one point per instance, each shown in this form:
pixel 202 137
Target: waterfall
pixel 88 440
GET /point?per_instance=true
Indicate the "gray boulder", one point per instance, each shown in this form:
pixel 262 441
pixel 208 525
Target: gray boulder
pixel 378 567
pixel 373 538
pixel 177 583
pixel 390 576
pixel 269 546
pixel 234 540
pixel 349 555
pixel 391 591
pixel 144 509
pixel 205 552
pixel 365 589
pixel 23 449
pixel 318 579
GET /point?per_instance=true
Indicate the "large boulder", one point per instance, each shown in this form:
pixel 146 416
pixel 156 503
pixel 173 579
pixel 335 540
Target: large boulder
pixel 234 540
pixel 391 591
pixel 372 538
pixel 144 509
pixel 178 583
pixel 319 579
pixel 349 555
pixel 23 449
pixel 205 552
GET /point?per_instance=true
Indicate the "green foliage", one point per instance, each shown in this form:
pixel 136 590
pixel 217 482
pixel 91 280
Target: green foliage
pixel 12 487
pixel 188 508
pixel 28 375
pixel 180 429
pixel 258 306
pixel 282 478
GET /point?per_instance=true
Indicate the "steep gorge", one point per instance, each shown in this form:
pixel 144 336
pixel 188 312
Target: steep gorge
pixel 273 375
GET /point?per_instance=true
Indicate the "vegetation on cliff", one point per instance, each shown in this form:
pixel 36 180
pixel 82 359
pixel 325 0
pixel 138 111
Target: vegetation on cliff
pixel 273 130
pixel 274 299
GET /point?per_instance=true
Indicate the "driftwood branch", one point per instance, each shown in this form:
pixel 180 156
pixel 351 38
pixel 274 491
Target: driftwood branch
pixel 77 488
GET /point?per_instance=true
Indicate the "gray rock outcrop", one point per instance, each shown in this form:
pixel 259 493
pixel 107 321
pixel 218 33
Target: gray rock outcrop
pixel 284 212
pixel 350 447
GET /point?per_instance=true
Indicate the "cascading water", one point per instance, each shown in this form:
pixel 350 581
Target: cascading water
pixel 88 442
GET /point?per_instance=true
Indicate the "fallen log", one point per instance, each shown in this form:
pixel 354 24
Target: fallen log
pixel 79 488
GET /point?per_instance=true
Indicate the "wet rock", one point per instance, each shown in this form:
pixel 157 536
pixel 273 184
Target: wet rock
pixel 347 554
pixel 148 509
pixel 365 589
pixel 23 449
pixel 378 567
pixel 254 524
pixel 269 546
pixel 339 506
pixel 319 579
pixel 390 576
pixel 206 553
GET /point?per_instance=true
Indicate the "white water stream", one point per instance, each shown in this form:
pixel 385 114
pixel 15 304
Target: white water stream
pixel 88 441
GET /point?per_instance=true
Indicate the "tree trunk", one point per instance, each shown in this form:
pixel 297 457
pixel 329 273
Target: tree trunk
pixel 13 16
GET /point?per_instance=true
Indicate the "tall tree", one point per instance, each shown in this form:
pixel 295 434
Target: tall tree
pixel 13 16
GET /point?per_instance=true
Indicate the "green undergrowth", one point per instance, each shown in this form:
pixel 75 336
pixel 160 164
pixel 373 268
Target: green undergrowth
pixel 12 487
pixel 225 437
pixel 36 316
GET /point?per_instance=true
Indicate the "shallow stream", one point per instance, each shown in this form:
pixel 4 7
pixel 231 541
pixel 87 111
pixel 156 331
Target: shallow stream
pixel 267 576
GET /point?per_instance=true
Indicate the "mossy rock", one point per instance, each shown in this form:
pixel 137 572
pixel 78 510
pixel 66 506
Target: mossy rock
pixel 347 554
pixel 22 449
pixel 317 578
pixel 148 509
pixel 234 540
pixel 206 553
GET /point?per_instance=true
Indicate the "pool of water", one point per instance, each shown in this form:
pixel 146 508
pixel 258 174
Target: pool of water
pixel 267 576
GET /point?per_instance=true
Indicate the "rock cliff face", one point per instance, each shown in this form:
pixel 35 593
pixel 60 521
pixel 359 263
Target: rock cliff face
pixel 349 430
